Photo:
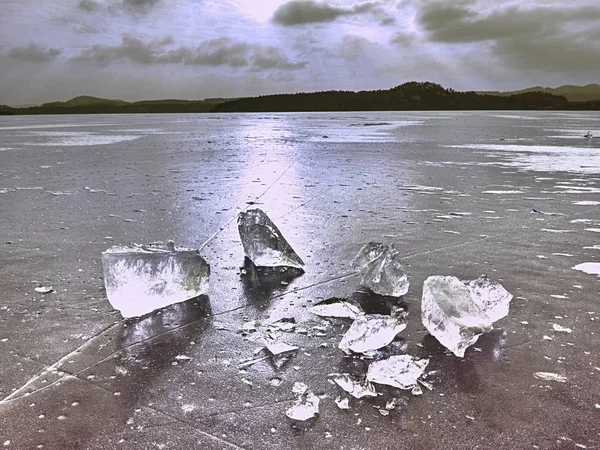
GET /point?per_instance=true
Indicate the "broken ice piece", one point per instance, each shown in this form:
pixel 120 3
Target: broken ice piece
pixel 305 407
pixel 379 265
pixel 356 388
pixel 278 348
pixel 299 388
pixel 342 403
pixel 44 289
pixel 142 278
pixel 371 332
pixel 285 324
pixel 549 376
pixel 400 371
pixel 263 243
pixel 337 307
pixel 456 313
pixel 560 329
pixel 416 390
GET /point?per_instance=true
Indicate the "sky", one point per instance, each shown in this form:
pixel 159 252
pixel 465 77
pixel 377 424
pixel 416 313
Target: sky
pixel 152 49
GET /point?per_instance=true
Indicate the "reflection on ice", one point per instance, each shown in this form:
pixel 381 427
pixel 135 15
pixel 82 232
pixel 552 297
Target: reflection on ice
pixel 544 158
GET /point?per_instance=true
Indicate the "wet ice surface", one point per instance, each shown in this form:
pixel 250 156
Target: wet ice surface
pixel 79 375
pixel 142 278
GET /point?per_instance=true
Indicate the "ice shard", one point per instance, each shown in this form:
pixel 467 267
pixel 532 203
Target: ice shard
pixel 337 307
pixel 379 265
pixel 371 332
pixel 306 405
pixel 263 243
pixel 142 278
pixel 457 312
pixel 278 348
pixel 356 388
pixel 399 371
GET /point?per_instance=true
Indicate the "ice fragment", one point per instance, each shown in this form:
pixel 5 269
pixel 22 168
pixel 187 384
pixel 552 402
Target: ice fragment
pixel 142 278
pixel 263 243
pixel 306 405
pixel 549 376
pixel 379 265
pixel 560 329
pixel 278 348
pixel 356 388
pixel 337 307
pixel 299 388
pixel 44 289
pixel 371 332
pixel 456 313
pixel 399 371
pixel 342 403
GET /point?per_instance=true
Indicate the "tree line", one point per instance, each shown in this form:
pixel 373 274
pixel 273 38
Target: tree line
pixel 406 97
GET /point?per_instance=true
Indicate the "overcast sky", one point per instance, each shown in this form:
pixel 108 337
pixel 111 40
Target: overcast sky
pixel 149 49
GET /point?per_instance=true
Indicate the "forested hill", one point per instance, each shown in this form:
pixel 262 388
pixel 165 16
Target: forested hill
pixel 408 96
pixel 95 105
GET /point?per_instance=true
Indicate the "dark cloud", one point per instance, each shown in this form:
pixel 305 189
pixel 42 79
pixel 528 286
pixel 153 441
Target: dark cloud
pixel 462 23
pixel 543 37
pixel 402 39
pixel 88 5
pixel 131 6
pixel 213 53
pixel 551 54
pixel 298 12
pixel 139 5
pixel 34 53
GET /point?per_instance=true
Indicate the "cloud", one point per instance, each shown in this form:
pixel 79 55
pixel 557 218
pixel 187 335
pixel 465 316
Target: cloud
pixel 213 53
pixel 462 23
pixel 299 12
pixel 137 6
pixel 34 53
pixel 131 6
pixel 402 39
pixel 537 36
pixel 551 54
pixel 88 5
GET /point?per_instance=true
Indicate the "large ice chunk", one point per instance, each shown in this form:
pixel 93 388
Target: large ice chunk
pixel 457 312
pixel 371 332
pixel 399 371
pixel 379 265
pixel 263 243
pixel 142 278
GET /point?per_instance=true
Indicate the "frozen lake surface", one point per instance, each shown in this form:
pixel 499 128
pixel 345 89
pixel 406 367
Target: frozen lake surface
pixel 515 195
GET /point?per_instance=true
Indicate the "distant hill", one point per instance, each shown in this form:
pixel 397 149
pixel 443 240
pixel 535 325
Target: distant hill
pixel 84 100
pixel 412 96
pixel 573 93
pixel 86 104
